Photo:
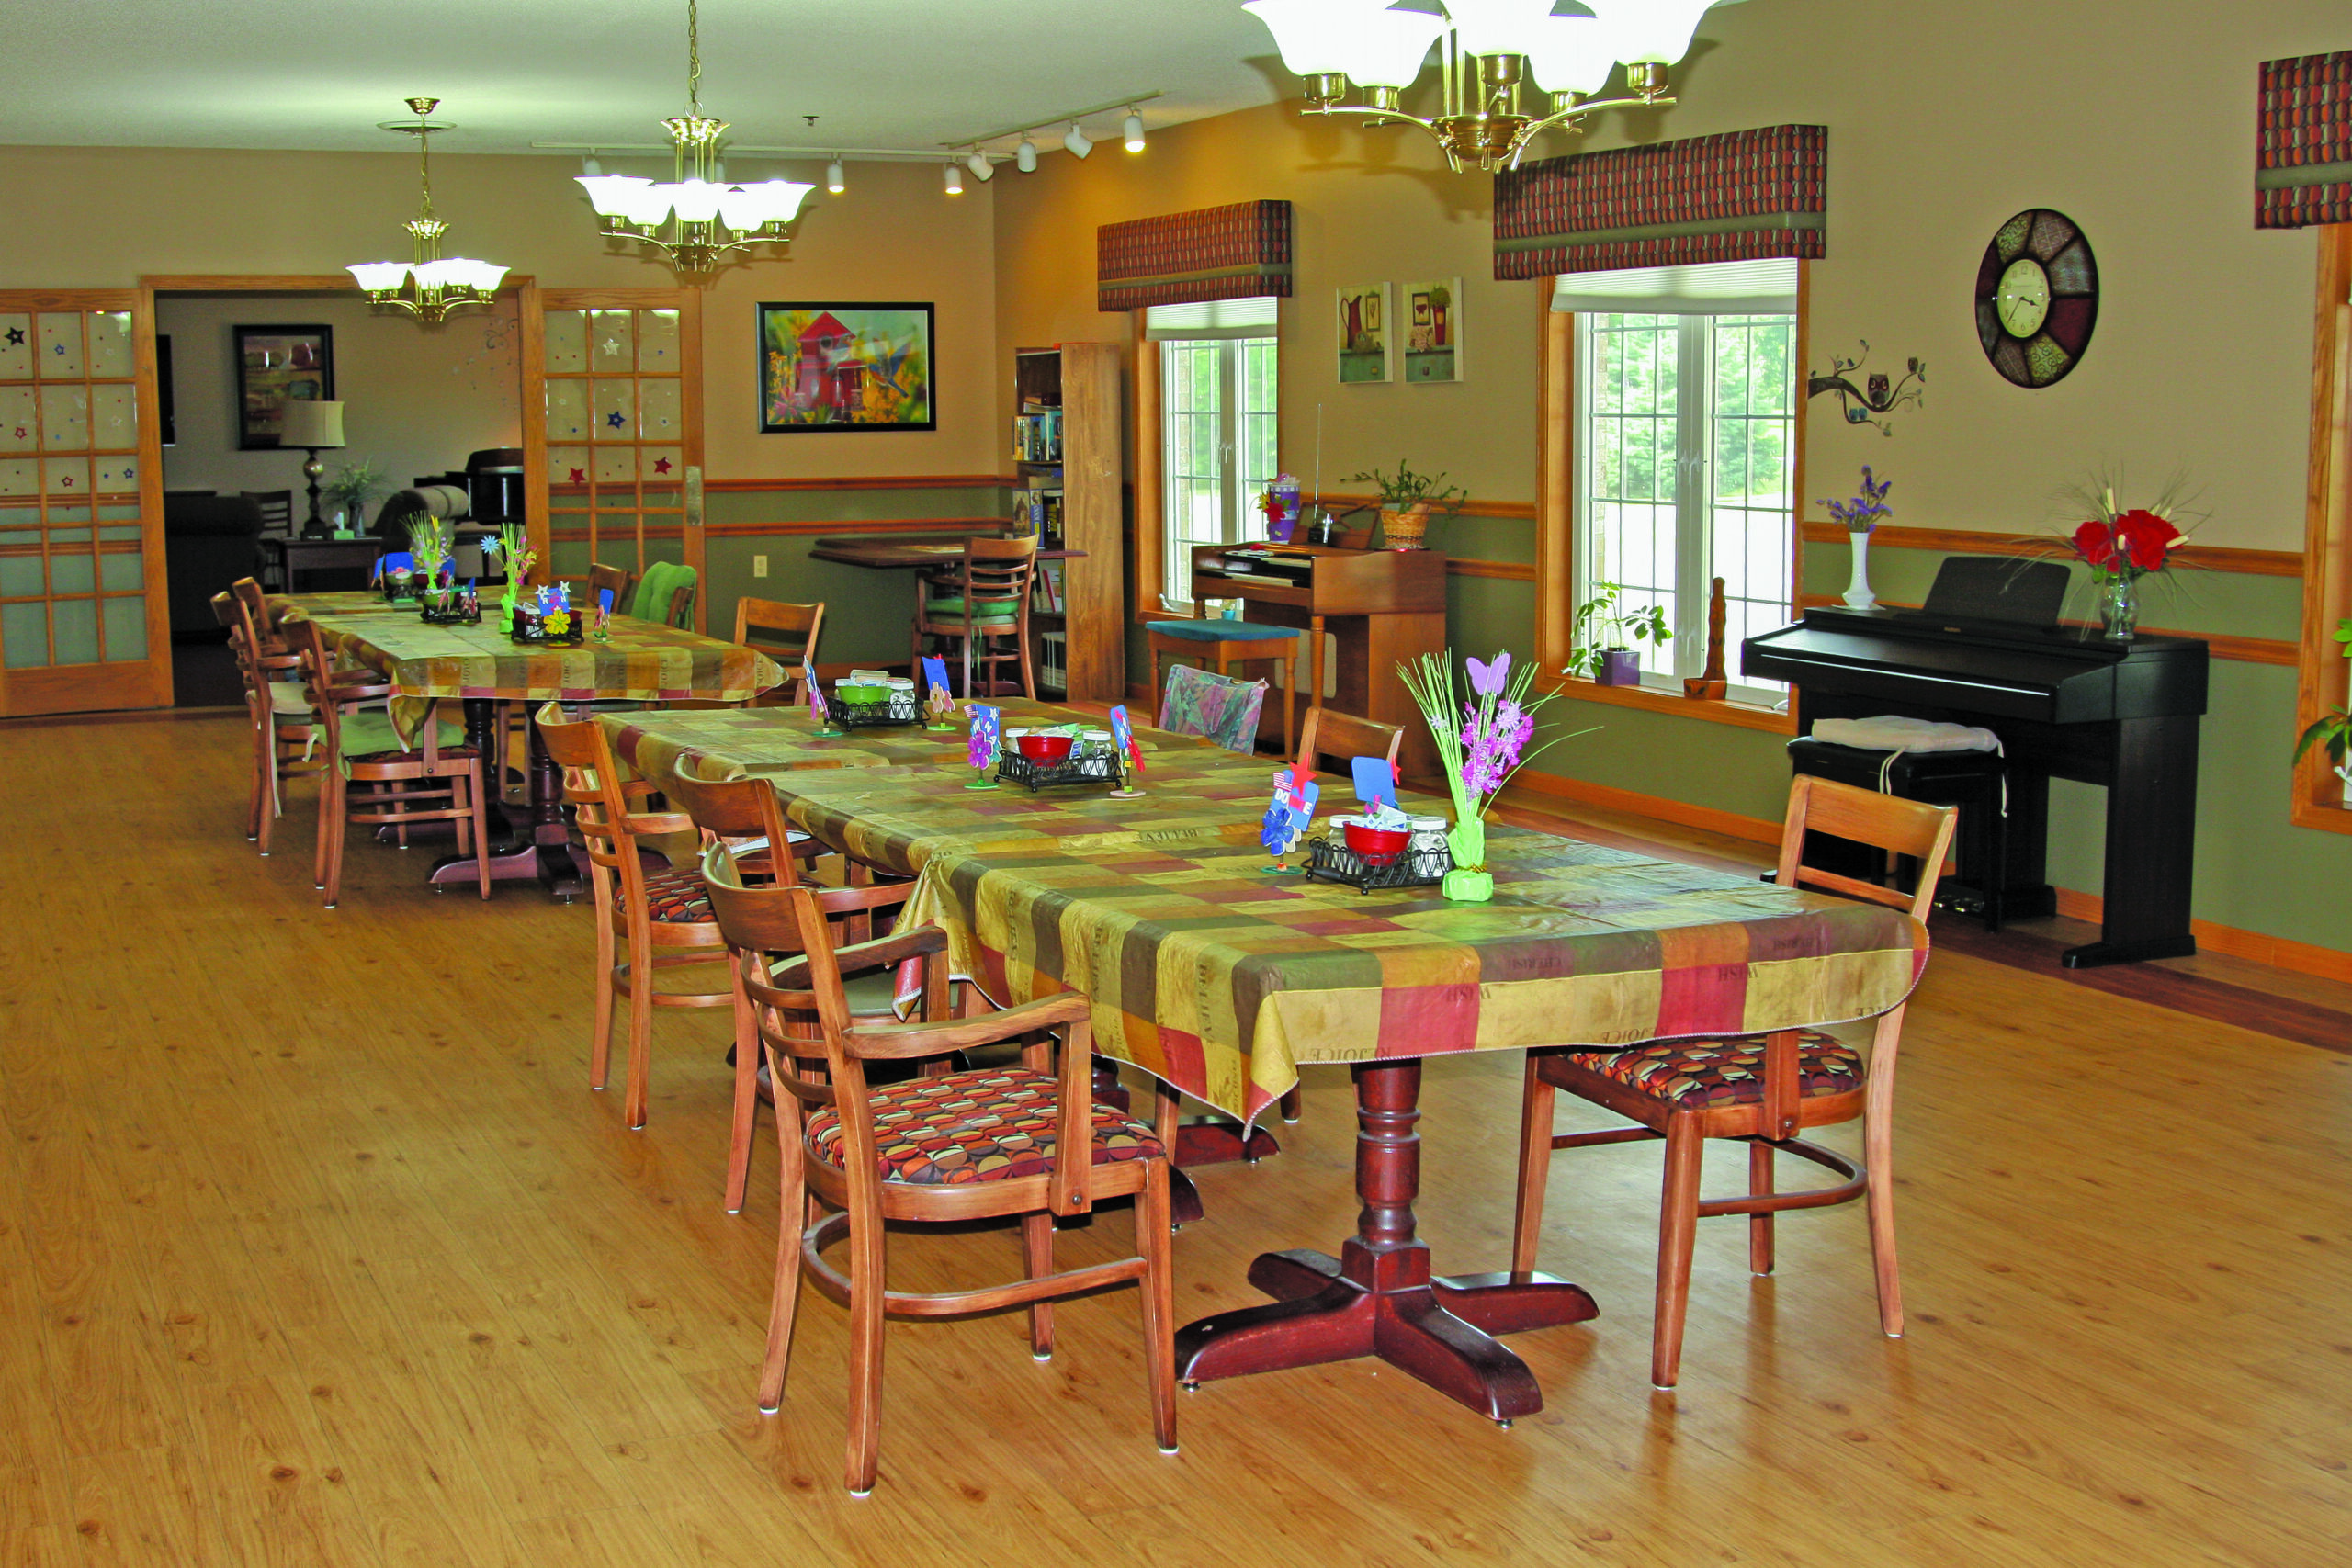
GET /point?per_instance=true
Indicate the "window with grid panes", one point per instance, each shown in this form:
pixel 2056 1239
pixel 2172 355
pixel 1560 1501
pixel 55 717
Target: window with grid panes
pixel 1218 384
pixel 1684 469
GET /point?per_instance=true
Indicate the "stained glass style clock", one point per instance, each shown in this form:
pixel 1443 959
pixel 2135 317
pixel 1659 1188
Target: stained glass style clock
pixel 2037 297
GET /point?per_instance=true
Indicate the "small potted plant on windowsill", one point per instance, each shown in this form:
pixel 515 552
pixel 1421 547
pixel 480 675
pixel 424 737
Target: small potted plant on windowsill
pixel 2332 732
pixel 1405 501
pixel 1603 636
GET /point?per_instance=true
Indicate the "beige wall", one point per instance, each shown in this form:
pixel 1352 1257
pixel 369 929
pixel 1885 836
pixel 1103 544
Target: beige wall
pixel 1945 120
pixel 81 217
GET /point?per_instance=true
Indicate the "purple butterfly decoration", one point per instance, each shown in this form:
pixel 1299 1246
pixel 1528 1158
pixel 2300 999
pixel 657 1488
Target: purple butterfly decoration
pixel 1487 679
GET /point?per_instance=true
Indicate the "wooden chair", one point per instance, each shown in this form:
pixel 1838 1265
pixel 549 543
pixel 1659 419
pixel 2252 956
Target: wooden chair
pixel 1216 707
pixel 285 739
pixel 745 815
pixel 1759 1089
pixel 960 1147
pixel 650 919
pixel 401 779
pixel 665 593
pixel 795 629
pixel 1227 643
pixel 619 578
pixel 986 601
pixel 1331 733
pixel 276 509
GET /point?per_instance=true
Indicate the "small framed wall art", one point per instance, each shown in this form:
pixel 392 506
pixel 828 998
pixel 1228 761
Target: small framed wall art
pixel 276 365
pixel 1433 330
pixel 847 367
pixel 1367 337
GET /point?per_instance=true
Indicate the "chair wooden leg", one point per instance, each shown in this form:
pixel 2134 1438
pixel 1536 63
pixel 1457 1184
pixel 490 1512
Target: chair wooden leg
pixel 642 979
pixel 265 746
pixel 1759 1226
pixel 1159 1288
pixel 1037 1261
pixel 1158 696
pixel 747 1107
pixel 865 1283
pixel 330 821
pixel 333 886
pixel 600 1039
pixel 1678 1230
pixel 1167 1109
pixel 1535 1098
pixel 1878 1198
pixel 793 1212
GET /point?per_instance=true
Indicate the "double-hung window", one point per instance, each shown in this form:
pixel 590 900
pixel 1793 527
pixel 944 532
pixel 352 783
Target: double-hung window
pixel 1218 413
pixel 1685 451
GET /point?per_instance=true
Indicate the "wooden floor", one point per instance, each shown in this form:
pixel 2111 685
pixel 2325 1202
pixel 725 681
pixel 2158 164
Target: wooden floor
pixel 316 1249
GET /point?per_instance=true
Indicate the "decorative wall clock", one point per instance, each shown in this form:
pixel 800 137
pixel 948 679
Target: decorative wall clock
pixel 2037 297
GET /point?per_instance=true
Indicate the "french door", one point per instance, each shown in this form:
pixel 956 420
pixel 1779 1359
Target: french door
pixel 84 621
pixel 622 433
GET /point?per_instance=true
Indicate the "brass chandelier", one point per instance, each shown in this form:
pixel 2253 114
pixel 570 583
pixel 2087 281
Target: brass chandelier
pixel 431 285
pixel 1487 49
pixel 696 218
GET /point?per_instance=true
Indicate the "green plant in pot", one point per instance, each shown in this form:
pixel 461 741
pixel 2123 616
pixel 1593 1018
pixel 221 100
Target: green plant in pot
pixel 1603 633
pixel 1405 501
pixel 2332 732
pixel 353 487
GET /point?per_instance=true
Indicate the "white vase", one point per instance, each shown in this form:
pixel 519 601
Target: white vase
pixel 1858 591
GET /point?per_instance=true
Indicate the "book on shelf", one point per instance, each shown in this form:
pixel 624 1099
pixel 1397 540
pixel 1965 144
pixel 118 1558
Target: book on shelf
pixel 1038 433
pixel 1045 588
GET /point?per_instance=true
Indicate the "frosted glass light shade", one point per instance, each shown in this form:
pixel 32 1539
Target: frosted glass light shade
pixel 484 276
pixel 437 274
pixel 1658 32
pixel 696 201
pixel 747 207
pixel 646 204
pixel 608 194
pixel 1496 27
pixel 1386 48
pixel 1314 37
pixel 307 423
pixel 1572 54
pixel 379 277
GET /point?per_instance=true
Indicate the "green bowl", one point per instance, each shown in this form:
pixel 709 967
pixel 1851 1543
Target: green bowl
pixel 863 696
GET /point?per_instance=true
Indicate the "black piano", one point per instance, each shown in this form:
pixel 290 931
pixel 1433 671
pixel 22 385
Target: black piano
pixel 1989 650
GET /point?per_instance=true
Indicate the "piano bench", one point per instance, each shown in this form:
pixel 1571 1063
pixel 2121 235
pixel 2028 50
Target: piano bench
pixel 1973 781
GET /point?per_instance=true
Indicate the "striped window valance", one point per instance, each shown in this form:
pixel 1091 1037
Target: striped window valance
pixel 1217 253
pixel 1739 197
pixel 2303 160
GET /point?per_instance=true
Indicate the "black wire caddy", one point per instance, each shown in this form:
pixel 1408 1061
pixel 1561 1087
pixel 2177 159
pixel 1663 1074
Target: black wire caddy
pixel 530 629
pixel 1095 768
pixel 900 709
pixel 1421 864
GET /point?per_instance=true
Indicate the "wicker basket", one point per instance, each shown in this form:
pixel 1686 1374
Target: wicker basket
pixel 1403 530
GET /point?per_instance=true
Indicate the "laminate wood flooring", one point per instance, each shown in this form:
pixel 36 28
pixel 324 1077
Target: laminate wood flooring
pixel 315 1249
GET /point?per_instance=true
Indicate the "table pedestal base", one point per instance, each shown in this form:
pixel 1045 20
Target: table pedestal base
pixel 543 850
pixel 1378 1298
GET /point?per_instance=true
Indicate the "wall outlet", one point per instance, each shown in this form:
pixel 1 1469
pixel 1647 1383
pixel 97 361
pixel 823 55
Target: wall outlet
pixel 759 566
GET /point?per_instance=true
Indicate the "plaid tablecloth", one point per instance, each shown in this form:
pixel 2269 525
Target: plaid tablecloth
pixel 644 659
pixel 1209 972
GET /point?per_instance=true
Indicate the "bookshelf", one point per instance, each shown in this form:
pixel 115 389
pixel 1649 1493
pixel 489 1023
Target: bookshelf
pixel 1067 477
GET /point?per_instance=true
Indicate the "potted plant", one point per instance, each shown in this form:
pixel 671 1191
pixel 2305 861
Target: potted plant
pixel 2333 731
pixel 353 487
pixel 1406 498
pixel 1603 636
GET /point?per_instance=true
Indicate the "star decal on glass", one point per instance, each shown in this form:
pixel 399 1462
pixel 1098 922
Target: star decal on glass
pixel 57 348
pixel 578 476
pixel 15 337
pixel 615 419
pixel 661 465
pixel 611 347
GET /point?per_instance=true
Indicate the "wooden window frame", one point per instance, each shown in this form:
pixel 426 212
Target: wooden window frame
pixel 1556 525
pixel 2321 668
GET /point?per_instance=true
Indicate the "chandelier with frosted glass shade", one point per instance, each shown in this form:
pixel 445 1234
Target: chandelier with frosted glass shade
pixel 1487 50
pixel 431 285
pixel 698 217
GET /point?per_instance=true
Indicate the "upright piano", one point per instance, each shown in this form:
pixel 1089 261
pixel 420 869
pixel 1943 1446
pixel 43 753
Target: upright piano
pixel 2067 703
pixel 1381 607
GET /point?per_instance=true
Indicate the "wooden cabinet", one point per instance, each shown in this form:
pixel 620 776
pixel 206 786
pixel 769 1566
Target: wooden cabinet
pixel 1081 380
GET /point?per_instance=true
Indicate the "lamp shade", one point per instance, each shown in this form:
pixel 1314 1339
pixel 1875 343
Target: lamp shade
pixel 609 194
pixel 1314 37
pixel 1657 32
pixel 697 201
pixel 310 423
pixel 1572 54
pixel 1498 27
pixel 379 277
pixel 1386 48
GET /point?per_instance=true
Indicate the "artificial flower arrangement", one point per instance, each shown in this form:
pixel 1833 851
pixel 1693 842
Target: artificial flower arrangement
pixel 1479 752
pixel 2120 547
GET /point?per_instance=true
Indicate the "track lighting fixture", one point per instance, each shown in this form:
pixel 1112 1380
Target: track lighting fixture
pixel 1077 142
pixel 1024 157
pixel 982 170
pixel 835 181
pixel 1133 131
pixel 954 176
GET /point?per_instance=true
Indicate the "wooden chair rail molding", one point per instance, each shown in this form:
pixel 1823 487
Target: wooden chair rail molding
pixel 804 526
pixel 1969 542
pixel 1514 510
pixel 859 482
pixel 2244 650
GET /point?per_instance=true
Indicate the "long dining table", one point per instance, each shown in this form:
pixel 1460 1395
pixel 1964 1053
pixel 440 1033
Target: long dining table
pixel 481 666
pixel 1209 972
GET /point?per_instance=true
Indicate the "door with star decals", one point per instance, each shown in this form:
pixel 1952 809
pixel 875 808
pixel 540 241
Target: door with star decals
pixel 623 373
pixel 84 618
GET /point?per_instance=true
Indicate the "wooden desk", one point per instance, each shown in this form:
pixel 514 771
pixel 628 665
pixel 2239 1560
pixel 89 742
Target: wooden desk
pixel 1382 608
pixel 292 553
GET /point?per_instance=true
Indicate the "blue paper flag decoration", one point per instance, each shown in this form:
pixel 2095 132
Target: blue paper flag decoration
pixel 1123 738
pixel 985 732
pixel 1375 781
pixel 1288 815
pixel 934 671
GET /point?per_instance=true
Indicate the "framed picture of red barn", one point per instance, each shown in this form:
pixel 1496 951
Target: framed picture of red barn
pixel 826 366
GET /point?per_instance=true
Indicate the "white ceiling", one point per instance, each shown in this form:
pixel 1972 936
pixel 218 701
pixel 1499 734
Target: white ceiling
pixel 910 73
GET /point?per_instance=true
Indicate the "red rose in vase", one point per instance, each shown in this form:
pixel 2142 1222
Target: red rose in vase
pixel 2096 544
pixel 2145 539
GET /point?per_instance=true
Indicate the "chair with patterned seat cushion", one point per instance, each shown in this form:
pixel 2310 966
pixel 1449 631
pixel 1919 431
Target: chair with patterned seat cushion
pixel 1227 643
pixel 1216 707
pixel 964 1146
pixel 1759 1089
pixel 402 776
pixel 649 919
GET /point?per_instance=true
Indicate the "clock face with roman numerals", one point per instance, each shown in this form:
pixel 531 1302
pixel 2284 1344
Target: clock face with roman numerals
pixel 2037 297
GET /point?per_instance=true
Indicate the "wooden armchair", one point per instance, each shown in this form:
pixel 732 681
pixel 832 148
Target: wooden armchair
pixel 986 601
pixel 1759 1089
pixel 432 777
pixel 650 919
pixel 619 578
pixel 791 633
pixel 1331 733
pixel 959 1146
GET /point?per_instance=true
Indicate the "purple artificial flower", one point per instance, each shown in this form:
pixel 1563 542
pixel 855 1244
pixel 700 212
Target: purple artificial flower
pixel 1861 514
pixel 1487 679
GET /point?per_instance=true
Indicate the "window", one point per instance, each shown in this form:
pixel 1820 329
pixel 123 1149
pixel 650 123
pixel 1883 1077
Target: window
pixel 1685 451
pixel 1218 368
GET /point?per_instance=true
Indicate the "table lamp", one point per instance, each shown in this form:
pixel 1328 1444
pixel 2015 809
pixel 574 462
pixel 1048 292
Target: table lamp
pixel 314 426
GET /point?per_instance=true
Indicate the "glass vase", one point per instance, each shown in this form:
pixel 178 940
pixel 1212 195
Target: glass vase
pixel 2118 608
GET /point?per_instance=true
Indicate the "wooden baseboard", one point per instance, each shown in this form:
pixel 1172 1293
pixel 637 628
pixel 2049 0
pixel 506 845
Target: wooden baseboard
pixel 2279 951
pixel 1755 829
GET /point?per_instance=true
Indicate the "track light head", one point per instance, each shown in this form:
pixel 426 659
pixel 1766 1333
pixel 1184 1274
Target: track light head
pixel 1024 157
pixel 1133 131
pixel 955 178
pixel 1077 142
pixel 982 170
pixel 834 181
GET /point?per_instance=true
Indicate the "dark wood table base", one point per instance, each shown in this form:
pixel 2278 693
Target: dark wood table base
pixel 543 850
pixel 1378 1298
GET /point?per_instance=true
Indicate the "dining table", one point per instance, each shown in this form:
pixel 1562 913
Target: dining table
pixel 1223 978
pixel 481 666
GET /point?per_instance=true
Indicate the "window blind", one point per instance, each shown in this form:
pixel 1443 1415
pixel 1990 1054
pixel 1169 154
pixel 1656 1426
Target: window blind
pixel 1715 288
pixel 1253 317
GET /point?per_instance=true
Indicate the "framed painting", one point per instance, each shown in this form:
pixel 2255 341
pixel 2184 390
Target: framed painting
pixel 847 367
pixel 1367 338
pixel 276 365
pixel 1433 330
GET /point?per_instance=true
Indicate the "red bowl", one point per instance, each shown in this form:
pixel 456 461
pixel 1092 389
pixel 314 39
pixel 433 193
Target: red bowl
pixel 1044 747
pixel 1378 846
